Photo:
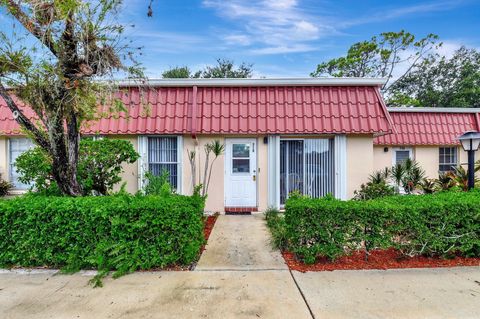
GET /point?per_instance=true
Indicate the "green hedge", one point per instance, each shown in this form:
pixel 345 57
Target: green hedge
pixel 441 224
pixel 122 233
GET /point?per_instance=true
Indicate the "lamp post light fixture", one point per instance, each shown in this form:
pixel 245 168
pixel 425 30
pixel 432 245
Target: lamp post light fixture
pixel 470 141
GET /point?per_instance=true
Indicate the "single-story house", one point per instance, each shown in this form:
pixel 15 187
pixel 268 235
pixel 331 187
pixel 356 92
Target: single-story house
pixel 427 135
pixel 314 135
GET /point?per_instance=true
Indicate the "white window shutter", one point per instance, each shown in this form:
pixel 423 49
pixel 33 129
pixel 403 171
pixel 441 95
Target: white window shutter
pixel 143 160
pixel 273 171
pixel 340 166
pixel 180 164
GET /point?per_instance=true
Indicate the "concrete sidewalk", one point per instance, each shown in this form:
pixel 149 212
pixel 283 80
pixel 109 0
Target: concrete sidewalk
pixel 403 293
pixel 240 243
pixel 222 294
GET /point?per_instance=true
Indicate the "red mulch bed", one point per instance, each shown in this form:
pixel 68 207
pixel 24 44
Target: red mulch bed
pixel 378 259
pixel 209 223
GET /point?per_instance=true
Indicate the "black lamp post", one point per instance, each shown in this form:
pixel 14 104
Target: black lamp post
pixel 470 141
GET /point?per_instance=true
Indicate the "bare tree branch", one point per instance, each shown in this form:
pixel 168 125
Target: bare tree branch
pixel 44 37
pixel 23 120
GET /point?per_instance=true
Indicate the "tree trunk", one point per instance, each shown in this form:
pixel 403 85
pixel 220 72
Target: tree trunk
pixel 67 182
pixel 64 152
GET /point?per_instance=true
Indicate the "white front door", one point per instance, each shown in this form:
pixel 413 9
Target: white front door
pixel 240 172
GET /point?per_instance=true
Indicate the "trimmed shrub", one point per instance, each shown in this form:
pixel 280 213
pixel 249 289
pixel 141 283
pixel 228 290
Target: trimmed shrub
pixel 437 225
pixel 440 224
pixel 276 224
pixel 121 233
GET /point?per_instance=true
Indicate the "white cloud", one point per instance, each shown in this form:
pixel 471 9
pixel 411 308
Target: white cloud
pixel 283 49
pixel 237 39
pixel 306 30
pixel 283 4
pixel 270 26
pixel 384 14
pixel 449 47
pixel 421 8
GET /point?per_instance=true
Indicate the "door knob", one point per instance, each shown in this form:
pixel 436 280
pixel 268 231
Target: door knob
pixel 254 177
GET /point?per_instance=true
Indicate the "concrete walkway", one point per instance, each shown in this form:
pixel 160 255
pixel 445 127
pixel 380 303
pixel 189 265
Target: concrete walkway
pixel 404 293
pixel 239 276
pixel 218 295
pixel 240 243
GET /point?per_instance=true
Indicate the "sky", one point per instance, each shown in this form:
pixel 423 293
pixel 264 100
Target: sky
pixel 284 38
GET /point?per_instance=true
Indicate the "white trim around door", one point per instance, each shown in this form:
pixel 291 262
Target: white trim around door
pixel 240 172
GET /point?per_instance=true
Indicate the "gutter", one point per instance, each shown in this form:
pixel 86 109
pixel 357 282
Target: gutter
pixel 226 82
pixel 419 109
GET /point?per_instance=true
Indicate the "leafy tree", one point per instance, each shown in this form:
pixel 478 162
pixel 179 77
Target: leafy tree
pixel 99 168
pixel 226 69
pixel 178 72
pixel 381 56
pixel 75 42
pixel 441 82
pixel 223 69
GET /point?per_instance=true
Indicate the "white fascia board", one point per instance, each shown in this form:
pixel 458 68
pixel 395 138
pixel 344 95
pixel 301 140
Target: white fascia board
pixel 419 109
pixel 253 82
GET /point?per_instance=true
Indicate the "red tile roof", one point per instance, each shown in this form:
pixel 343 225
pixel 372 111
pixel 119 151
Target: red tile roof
pixel 429 127
pixel 258 109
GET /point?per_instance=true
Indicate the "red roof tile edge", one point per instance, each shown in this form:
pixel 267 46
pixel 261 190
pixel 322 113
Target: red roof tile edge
pixel 243 110
pixel 426 126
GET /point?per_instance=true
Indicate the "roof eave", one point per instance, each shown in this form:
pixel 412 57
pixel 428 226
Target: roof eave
pixel 433 109
pixel 225 82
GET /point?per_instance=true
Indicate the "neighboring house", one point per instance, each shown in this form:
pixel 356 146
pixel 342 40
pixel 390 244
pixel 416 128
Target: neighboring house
pixel 311 135
pixel 427 135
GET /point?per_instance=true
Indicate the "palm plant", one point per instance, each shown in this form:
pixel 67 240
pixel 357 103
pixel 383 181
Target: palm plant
pixel 460 176
pixel 380 176
pixel 446 180
pixel 397 173
pixel 408 175
pixel 429 186
pixel 214 148
pixel 413 176
pixel 217 149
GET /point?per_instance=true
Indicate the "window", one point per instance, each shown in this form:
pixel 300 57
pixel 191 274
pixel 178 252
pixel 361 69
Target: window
pixel 16 147
pixel 240 158
pixel 306 166
pixel 401 155
pixel 163 156
pixel 447 158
